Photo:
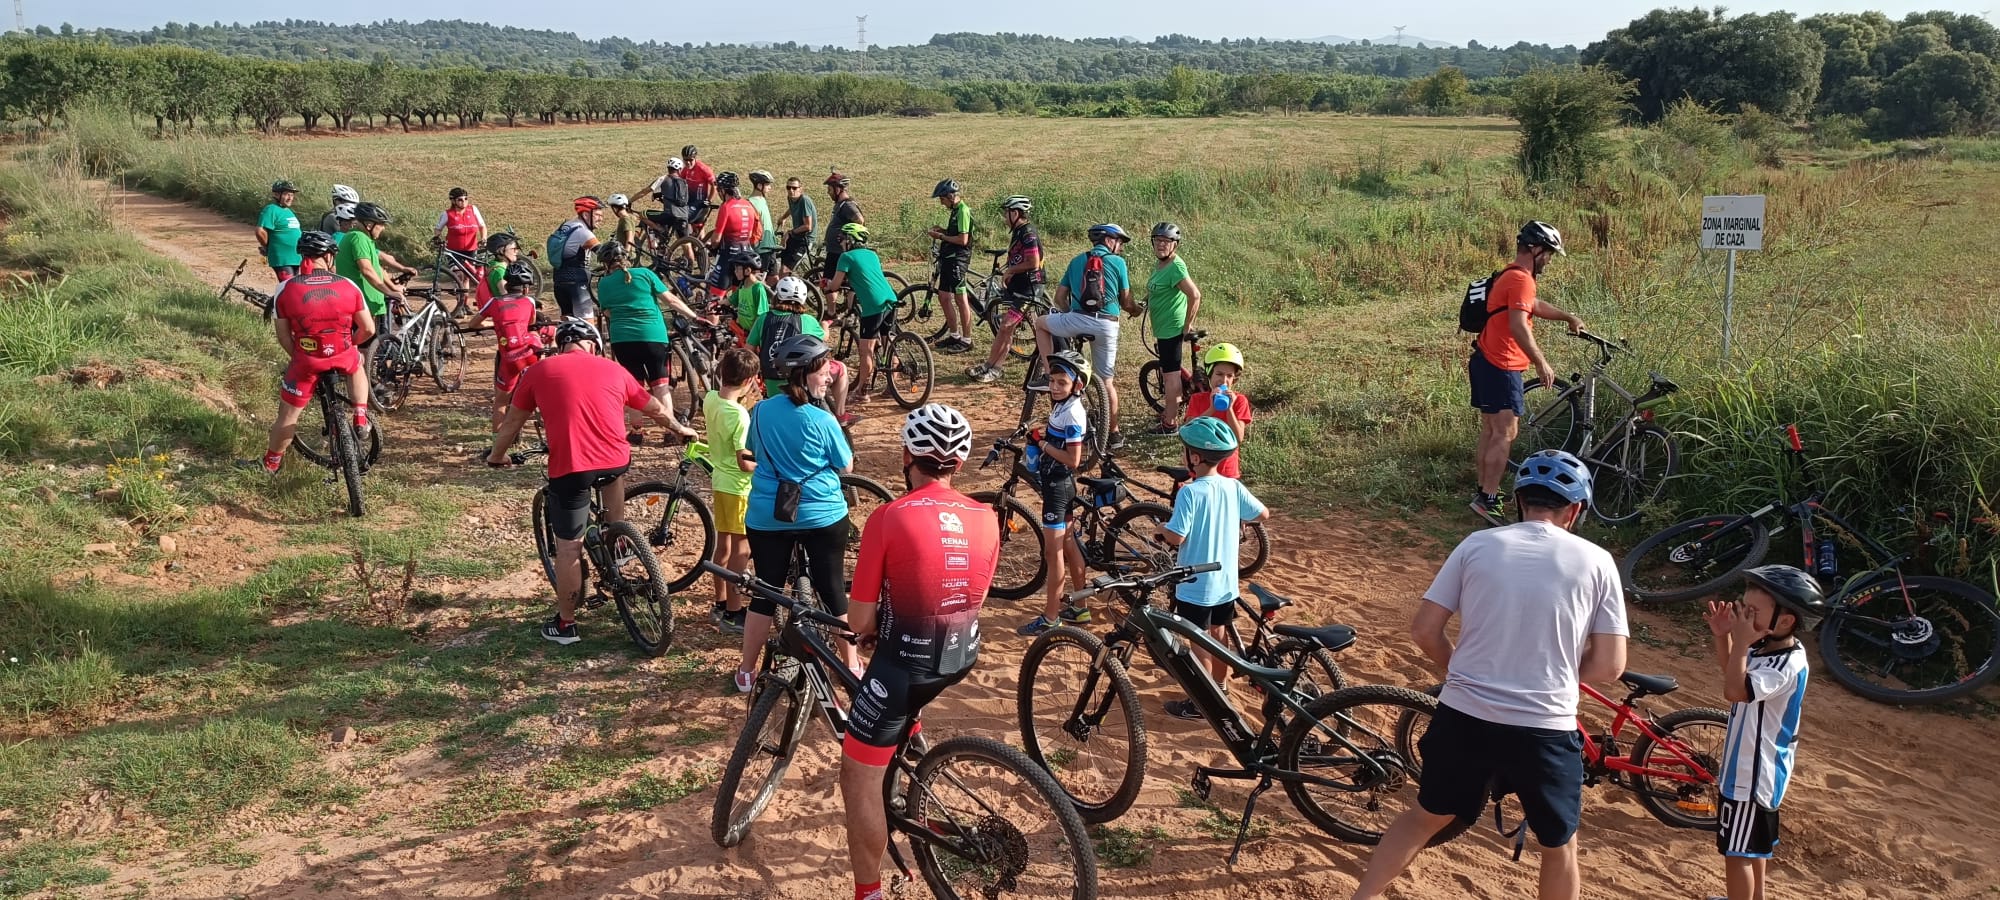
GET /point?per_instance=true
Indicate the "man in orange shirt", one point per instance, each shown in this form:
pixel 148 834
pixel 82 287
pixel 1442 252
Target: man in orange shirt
pixel 1503 351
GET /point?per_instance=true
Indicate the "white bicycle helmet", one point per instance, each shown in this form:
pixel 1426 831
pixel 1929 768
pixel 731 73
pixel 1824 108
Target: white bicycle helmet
pixel 1018 202
pixel 619 201
pixel 938 432
pixel 674 164
pixel 792 289
pixel 344 194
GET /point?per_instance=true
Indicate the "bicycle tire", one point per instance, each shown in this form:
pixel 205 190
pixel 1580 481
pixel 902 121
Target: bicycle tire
pixel 1957 621
pixel 1023 562
pixel 1100 793
pixel 1676 565
pixel 1631 472
pixel 1673 801
pixel 345 448
pixel 688 256
pixel 446 356
pixel 906 311
pixel 863 496
pixel 1153 385
pixel 646 608
pixel 1321 676
pixel 673 517
pixel 776 702
pixel 1253 549
pixel 687 382
pixel 1128 546
pixel 913 376
pixel 1027 875
pixel 1295 751
pixel 1551 425
pixel 545 537
pixel 318 450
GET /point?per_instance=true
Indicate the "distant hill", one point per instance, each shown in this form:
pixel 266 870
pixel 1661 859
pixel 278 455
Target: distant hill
pixel 1409 40
pixel 944 58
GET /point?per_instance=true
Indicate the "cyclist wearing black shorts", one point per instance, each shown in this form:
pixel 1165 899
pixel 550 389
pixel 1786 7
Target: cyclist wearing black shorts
pixel 797 224
pixel 1023 275
pixel 925 563
pixel 845 211
pixel 630 299
pixel 954 260
pixel 569 252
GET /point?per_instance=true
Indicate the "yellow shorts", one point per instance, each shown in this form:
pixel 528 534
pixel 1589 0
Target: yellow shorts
pixel 730 510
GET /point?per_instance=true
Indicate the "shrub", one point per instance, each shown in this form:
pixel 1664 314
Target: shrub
pixel 1564 114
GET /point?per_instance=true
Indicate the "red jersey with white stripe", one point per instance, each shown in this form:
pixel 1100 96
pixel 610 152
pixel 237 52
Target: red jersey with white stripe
pixel 928 558
pixel 320 307
pixel 739 223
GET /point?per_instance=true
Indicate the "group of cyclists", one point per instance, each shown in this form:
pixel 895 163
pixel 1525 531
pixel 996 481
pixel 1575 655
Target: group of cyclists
pixel 1540 607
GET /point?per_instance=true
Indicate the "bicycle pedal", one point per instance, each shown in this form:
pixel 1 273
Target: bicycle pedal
pixel 1202 785
pixel 595 601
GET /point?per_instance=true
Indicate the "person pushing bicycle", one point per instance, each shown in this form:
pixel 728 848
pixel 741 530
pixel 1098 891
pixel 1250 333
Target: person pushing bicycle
pixel 582 398
pixel 321 319
pixel 930 555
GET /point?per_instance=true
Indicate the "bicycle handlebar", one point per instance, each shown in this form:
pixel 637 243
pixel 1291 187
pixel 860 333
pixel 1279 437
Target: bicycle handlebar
pixel 749 583
pixel 1005 444
pixel 1146 583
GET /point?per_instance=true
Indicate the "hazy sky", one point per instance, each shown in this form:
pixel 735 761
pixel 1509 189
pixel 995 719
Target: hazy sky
pixel 818 22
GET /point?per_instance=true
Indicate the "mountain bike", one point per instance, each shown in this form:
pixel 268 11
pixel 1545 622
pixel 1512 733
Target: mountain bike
pixel 989 304
pixel 920 299
pixel 627 573
pixel 453 274
pixel 427 342
pixel 980 819
pixel 677 523
pixel 1096 403
pixel 1888 636
pixel 264 302
pixel 1630 458
pixel 903 363
pixel 337 447
pixel 1341 756
pixel 1113 531
pixel 1253 548
pixel 1194 373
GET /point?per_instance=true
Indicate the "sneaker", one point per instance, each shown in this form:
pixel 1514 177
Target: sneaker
pixel 259 465
pixel 984 374
pixel 956 344
pixel 1183 709
pixel 1035 628
pixel 1488 508
pixel 732 623
pixel 1117 441
pixel 717 612
pixel 1075 615
pixel 847 419
pixel 1163 430
pixel 554 630
pixel 361 431
pixel 745 681
pixel 1041 380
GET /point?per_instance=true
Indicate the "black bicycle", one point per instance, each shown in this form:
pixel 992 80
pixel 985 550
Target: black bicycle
pixel 331 441
pixel 267 306
pixel 1113 531
pixel 1630 458
pixel 628 574
pixel 902 364
pixel 1345 758
pixel 1194 374
pixel 677 523
pixel 980 818
pixel 1888 636
pixel 1253 548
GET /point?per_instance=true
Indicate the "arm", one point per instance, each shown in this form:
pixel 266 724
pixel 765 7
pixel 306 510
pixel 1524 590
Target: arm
pixel 510 431
pixel 1734 631
pixel 1517 322
pixel 673 300
pixel 375 278
pixel 1070 455
pixel 657 411
pixel 390 261
pixel 1603 658
pixel 263 241
pixel 364 325
pixel 1028 263
pixel 1193 293
pixel 437 231
pixel 283 328
pixel 807 226
pixel 479 237
pixel 1547 310
pixel 1427 632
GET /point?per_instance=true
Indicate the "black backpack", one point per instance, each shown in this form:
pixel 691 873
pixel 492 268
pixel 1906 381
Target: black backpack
pixel 674 198
pixel 778 327
pixel 1472 311
pixel 1093 293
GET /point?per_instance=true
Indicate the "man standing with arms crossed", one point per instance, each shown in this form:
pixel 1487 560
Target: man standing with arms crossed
pixel 1504 349
pixel 1540 611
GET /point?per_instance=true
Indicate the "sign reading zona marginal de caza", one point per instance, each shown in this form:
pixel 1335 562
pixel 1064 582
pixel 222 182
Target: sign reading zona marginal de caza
pixel 1734 222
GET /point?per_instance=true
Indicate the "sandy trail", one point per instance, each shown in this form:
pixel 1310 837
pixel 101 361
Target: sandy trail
pixel 1888 803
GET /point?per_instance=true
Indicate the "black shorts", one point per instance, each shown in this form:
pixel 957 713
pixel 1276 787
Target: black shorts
pixel 646 360
pixel 1749 831
pixel 673 225
pixel 1058 493
pixel 826 554
pixel 1173 357
pixel 876 326
pixel 832 262
pixel 575 299
pixel 951 274
pixel 1465 758
pixel 887 706
pixel 796 248
pixel 569 500
pixel 1205 616
pixel 1494 389
pixel 770 257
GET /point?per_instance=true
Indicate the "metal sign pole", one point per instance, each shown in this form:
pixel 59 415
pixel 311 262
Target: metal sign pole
pixel 1728 304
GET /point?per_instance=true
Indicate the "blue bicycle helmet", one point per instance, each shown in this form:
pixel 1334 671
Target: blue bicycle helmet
pixel 1557 471
pixel 1210 434
pixel 1101 233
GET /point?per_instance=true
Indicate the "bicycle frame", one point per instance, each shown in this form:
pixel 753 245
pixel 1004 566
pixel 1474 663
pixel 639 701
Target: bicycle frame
pixel 1601 757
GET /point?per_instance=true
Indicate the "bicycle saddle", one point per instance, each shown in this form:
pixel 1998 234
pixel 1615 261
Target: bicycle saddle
pixel 1001 252
pixel 1662 384
pixel 1268 600
pixel 1099 485
pixel 1333 637
pixel 1177 473
pixel 1656 685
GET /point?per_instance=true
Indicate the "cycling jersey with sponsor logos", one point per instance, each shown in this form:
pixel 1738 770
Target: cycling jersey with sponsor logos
pixel 928 557
pixel 513 318
pixel 738 221
pixel 1023 242
pixel 320 307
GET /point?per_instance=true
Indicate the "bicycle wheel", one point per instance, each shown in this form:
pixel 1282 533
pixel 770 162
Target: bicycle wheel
pixel 687 381
pixel 545 536
pixel 639 587
pixel 1694 558
pixel 1681 796
pixel 1023 567
pixel 758 763
pixel 346 451
pixel 1551 422
pixel 446 356
pixel 678 525
pixel 1321 675
pixel 1097 411
pixel 996 823
pixel 688 256
pixel 864 496
pixel 908 299
pixel 1129 547
pixel 897 283
pixel 314 440
pixel 1630 472
pixel 1912 639
pixel 1153 385
pixel 1080 720
pixel 906 364
pixel 1346 726
pixel 1253 549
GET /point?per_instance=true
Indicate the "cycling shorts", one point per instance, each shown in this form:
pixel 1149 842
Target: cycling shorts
pixel 886 708
pixel 770 257
pixel 796 248
pixel 1058 491
pixel 951 274
pixel 296 388
pixel 576 300
pixel 827 271
pixel 1205 616
pixel 646 360
pixel 1173 357
pixel 826 555
pixel 569 500
pixel 876 326
pixel 673 225
pixel 1017 305
pixel 508 367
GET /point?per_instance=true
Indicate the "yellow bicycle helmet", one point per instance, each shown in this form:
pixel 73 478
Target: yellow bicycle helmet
pixel 1223 353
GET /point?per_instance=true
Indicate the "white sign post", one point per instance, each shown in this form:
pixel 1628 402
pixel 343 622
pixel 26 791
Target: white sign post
pixel 1732 222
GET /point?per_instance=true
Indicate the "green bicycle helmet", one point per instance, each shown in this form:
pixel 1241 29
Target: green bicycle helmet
pixel 855 231
pixel 1209 434
pixel 1073 363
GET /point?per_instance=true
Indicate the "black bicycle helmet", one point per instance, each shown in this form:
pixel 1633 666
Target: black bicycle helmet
pixel 283 187
pixel 743 256
pixel 726 181
pixel 500 242
pixel 574 329
pixel 1792 588
pixel 689 151
pixel 371 213
pixel 611 252
pixel 315 244
pixel 1075 363
pixel 457 192
pixel 944 188
pixel 518 273
pixel 1541 234
pixel 1167 230
pixel 799 351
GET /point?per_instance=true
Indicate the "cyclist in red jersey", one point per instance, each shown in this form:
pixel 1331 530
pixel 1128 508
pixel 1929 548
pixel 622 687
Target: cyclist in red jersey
pixel 517 346
pixel 582 398
pixel 321 317
pixel 701 183
pixel 925 563
pixel 737 227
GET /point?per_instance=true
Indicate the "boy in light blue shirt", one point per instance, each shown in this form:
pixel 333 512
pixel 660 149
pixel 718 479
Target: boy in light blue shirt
pixel 1207 526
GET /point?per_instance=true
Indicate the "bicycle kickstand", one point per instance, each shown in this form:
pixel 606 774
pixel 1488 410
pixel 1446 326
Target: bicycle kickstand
pixel 1243 828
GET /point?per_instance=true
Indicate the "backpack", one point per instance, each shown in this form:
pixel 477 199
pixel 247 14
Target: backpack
pixel 1472 311
pixel 1094 292
pixel 674 199
pixel 778 327
pixel 559 242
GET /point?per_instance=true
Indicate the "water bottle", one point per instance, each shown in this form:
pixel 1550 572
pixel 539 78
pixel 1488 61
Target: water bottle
pixel 1031 456
pixel 1222 399
pixel 590 534
pixel 1823 558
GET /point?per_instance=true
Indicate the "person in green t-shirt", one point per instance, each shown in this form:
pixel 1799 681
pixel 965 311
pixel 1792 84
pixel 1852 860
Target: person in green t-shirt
pixel 631 299
pixel 730 466
pixel 872 296
pixel 788 317
pixel 1172 300
pixel 505 248
pixel 359 261
pixel 278 232
pixel 954 263
pixel 767 245
pixel 801 218
pixel 750 298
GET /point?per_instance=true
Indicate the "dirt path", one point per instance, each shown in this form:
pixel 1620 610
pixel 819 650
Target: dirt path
pixel 1888 803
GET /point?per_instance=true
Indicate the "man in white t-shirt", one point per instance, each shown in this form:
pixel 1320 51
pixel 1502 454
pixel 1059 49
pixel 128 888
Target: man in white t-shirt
pixel 1540 612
